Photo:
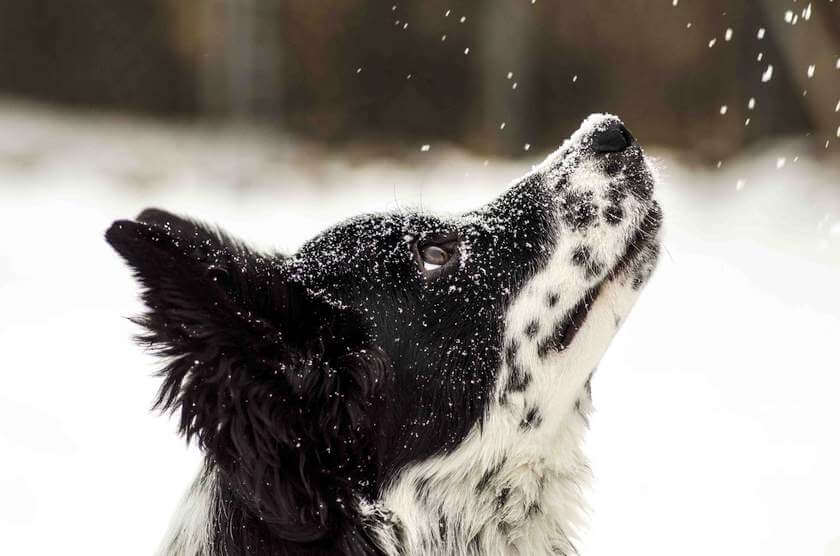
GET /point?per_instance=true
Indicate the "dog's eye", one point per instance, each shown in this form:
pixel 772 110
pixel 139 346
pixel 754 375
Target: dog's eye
pixel 433 256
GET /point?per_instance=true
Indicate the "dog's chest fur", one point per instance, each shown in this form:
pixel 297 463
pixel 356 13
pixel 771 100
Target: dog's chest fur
pixel 493 499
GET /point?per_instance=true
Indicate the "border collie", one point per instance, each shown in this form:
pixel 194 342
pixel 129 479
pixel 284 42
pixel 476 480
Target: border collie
pixel 405 383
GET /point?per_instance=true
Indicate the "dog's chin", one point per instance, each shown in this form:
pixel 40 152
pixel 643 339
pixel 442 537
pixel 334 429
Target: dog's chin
pixel 642 244
pixel 641 249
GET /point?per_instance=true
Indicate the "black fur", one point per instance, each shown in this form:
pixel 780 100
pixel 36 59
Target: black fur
pixel 274 384
pixel 275 363
pixel 531 420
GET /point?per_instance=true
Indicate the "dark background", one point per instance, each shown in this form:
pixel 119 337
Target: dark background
pixel 351 71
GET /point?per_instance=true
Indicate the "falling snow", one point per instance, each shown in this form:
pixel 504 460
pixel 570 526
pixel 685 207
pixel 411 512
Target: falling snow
pixel 768 74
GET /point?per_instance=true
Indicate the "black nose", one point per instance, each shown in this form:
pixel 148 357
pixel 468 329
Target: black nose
pixel 614 139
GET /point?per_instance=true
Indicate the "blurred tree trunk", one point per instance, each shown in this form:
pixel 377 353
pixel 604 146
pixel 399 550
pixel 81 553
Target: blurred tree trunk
pixel 236 46
pixel 505 45
pixel 809 42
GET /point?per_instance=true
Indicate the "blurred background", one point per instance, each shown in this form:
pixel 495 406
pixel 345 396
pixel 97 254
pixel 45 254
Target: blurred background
pixel 717 413
pixel 390 74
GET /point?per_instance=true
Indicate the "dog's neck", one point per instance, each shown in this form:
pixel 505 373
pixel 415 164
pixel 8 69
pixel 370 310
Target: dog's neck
pixel 471 501
pixel 500 492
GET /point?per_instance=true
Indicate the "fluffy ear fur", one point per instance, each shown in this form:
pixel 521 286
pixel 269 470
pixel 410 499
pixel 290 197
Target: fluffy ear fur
pixel 273 383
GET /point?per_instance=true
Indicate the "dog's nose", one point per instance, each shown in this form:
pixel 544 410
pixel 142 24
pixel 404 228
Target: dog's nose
pixel 614 139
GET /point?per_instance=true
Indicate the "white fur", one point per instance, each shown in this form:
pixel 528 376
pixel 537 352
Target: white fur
pixel 191 529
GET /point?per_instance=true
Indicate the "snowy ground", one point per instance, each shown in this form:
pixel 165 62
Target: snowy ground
pixel 716 430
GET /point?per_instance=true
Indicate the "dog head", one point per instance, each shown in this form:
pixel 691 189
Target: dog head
pixel 310 380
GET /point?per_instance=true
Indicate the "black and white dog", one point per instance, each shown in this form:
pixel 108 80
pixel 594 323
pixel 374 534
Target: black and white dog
pixel 404 384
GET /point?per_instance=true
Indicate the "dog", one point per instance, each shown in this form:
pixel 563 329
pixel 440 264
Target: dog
pixel 404 383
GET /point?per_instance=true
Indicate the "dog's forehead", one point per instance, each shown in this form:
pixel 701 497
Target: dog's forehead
pixel 361 246
pixel 365 236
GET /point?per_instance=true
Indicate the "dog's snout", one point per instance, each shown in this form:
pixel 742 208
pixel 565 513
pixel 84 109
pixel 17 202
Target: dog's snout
pixel 613 139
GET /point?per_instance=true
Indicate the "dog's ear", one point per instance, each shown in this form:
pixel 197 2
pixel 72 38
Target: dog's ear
pixel 201 287
pixel 274 383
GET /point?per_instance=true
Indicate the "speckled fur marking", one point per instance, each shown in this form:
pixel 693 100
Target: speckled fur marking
pixel 525 460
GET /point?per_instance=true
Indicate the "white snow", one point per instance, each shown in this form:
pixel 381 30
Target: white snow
pixel 716 422
pixel 768 74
